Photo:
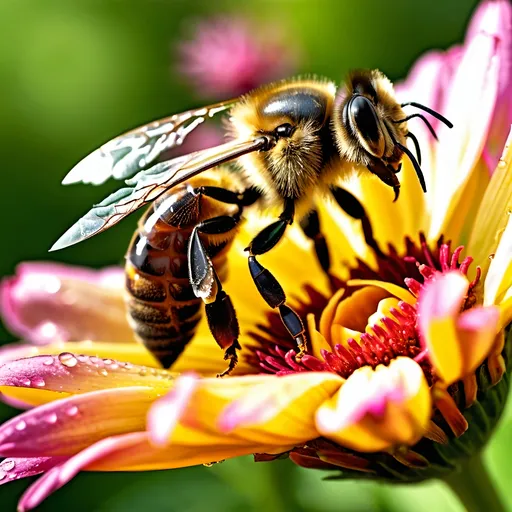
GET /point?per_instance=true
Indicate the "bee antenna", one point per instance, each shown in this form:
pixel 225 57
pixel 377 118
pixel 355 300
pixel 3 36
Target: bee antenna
pixel 432 112
pixel 423 118
pixel 415 163
pixel 416 145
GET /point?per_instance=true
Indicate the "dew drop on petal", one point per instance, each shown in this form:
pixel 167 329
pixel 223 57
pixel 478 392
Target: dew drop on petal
pixel 7 465
pixel 68 359
pixel 48 361
pixel 2 475
pixel 21 425
pixel 82 358
pixel 103 372
pixel 27 383
pixel 96 361
pixel 114 366
pixel 128 366
pixel 51 418
pixel 39 382
pixel 143 372
pixel 72 411
pixel 107 361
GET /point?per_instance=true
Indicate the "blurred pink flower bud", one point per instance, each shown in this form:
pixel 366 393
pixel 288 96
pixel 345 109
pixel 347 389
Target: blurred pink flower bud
pixel 229 56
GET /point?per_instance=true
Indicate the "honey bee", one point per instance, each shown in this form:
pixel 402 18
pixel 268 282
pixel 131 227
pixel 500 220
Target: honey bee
pixel 291 142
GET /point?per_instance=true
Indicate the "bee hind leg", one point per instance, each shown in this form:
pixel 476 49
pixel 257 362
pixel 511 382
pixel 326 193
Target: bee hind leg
pixel 206 284
pixel 268 286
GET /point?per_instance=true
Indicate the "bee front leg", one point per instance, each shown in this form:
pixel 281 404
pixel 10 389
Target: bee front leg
pixel 220 312
pixel 351 206
pixel 310 225
pixel 268 286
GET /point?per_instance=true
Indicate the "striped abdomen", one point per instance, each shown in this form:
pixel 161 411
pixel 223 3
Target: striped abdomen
pixel 162 307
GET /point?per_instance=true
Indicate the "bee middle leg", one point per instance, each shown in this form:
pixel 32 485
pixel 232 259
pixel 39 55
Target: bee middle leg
pixel 268 286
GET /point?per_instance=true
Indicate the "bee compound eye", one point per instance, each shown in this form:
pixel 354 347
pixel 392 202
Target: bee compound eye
pixel 284 130
pixel 363 119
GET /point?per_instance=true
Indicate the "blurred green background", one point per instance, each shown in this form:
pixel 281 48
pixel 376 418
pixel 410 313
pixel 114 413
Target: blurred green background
pixel 77 72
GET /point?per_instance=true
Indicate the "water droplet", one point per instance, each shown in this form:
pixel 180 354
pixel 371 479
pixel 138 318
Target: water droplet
pixel 114 366
pixel 68 359
pixel 39 382
pixel 2 475
pixel 107 361
pixel 143 372
pixel 51 418
pixel 27 383
pixel 491 256
pixel 103 372
pixel 21 425
pixel 72 411
pixel 7 465
pixel 48 361
pixel 12 475
pixel 82 358
pixel 128 366
pixel 96 361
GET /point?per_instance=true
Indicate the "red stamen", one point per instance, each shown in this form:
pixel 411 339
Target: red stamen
pixel 394 335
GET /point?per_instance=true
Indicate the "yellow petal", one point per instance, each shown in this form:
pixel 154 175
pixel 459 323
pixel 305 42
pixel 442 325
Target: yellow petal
pixel 492 215
pixel 393 289
pixel 264 409
pixel 499 277
pixel 378 409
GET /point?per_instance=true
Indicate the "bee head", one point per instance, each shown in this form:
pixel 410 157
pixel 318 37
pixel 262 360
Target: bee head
pixel 369 124
pixel 293 117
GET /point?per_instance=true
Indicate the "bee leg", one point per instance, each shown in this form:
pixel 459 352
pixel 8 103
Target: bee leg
pixel 268 286
pixel 351 205
pixel 205 282
pixel 310 225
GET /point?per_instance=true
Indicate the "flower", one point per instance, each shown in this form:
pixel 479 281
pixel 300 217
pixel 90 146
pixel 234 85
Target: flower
pixel 408 340
pixel 228 56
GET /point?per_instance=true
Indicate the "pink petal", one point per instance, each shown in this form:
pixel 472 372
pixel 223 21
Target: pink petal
pixel 17 468
pixel 477 329
pixel 63 473
pixel 441 297
pixel 495 18
pixel 64 427
pixel 469 104
pixel 46 302
pixel 439 306
pixel 70 373
pixel 167 411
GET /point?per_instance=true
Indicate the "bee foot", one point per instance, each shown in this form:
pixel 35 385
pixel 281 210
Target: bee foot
pixel 231 356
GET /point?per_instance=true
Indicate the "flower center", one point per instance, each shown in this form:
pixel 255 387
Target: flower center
pixel 363 325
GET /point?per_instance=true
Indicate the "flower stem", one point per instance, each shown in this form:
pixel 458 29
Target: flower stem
pixel 475 488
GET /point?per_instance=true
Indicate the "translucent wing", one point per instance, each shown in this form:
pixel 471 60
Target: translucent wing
pixel 148 185
pixel 138 149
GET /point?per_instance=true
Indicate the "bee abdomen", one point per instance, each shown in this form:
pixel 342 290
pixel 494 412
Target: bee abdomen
pixel 162 307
